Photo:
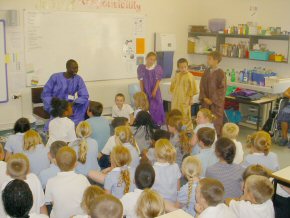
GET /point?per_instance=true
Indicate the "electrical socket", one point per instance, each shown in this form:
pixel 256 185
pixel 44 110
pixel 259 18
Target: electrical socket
pixel 14 97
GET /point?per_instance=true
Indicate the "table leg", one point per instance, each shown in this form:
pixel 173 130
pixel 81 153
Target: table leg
pixel 275 188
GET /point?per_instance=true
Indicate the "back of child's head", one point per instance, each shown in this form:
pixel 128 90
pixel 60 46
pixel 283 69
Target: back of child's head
pixel 89 196
pixel 212 191
pixel 59 107
pixel 31 140
pixel 106 206
pixel 18 166
pixel 165 151
pixel 260 141
pixel 21 125
pixel 225 149
pixel 17 199
pixel 144 118
pixel 144 176
pixel 230 130
pixel 55 146
pixel 83 131
pixel 119 121
pixel 260 187
pixel 96 108
pixel 150 204
pixel 160 134
pixel 216 56
pixel 141 101
pixel 172 113
pixel 182 61
pixel 255 170
pixel 204 115
pixel 124 135
pixel 206 135
pixel 120 95
pixel 66 159
pixel 191 169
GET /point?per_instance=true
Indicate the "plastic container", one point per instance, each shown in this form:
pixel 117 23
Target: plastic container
pixel 260 55
pixel 216 25
pixel 279 58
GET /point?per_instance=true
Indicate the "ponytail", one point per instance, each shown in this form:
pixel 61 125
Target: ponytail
pixel 190 184
pixel 261 141
pixel 208 114
pixel 125 135
pixel 83 131
pixel 125 177
pixel 83 150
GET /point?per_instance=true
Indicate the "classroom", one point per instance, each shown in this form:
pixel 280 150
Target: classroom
pixel 144 108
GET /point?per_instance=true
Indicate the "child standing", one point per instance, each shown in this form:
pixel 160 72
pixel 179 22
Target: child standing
pixel 121 109
pixel 150 76
pixel 213 89
pixel 167 173
pixel 141 103
pixel 183 88
pixel 86 149
pixel 35 151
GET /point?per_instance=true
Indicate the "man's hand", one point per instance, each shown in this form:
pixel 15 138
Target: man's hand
pixel 154 93
pixel 207 101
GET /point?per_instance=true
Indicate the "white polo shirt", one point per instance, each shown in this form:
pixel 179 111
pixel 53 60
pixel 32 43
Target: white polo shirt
pixel 129 202
pixel 221 210
pixel 125 111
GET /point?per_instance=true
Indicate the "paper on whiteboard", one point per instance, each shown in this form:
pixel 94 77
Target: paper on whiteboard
pixel 139 27
pixel 129 50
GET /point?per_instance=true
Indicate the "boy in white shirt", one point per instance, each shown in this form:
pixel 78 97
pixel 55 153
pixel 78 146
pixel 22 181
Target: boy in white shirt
pixel 256 201
pixel 209 200
pixel 120 109
pixel 65 191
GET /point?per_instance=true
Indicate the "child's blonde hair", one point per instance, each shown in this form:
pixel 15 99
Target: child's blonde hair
pixel 66 159
pixel 90 194
pixel 165 151
pixel 83 131
pixel 141 101
pixel 207 114
pixel 184 136
pixel 31 139
pixel 150 204
pixel 212 191
pixel 18 166
pixel 230 130
pixel 172 113
pixel 256 170
pixel 121 157
pixel 260 141
pixel 124 135
pixel 191 168
pixel 260 187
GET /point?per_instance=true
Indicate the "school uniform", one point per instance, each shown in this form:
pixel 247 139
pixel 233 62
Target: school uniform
pixel 111 143
pixel 182 198
pixel 135 155
pixel 15 143
pixel 61 129
pixel 175 141
pixel 239 152
pixel 142 139
pixel 47 174
pixel 125 111
pixel 221 210
pixel 207 158
pixel 112 182
pixel 92 157
pixel 66 191
pixel 151 155
pixel 269 161
pixel 166 180
pixel 100 130
pixel 38 159
pixel 129 202
pixel 247 209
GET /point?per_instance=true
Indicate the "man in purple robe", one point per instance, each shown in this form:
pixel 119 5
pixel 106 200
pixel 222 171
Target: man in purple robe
pixel 68 86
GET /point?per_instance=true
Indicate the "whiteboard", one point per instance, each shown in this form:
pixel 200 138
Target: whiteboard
pixel 104 45
pixel 3 66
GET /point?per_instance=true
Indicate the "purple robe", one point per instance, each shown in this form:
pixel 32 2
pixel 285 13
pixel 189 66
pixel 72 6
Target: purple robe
pixel 61 87
pixel 149 78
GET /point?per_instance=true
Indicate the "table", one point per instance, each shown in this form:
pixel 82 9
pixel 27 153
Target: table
pixel 257 103
pixel 282 177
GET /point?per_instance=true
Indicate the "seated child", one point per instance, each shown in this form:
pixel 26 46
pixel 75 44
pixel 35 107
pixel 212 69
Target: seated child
pixel 150 205
pixel 167 173
pixel 143 129
pixel 124 137
pixel 121 109
pixel 65 190
pixel 205 138
pixel 61 128
pixel 141 103
pixel 209 200
pixel 53 169
pixel 86 149
pixel 255 170
pixel 225 170
pixel 35 151
pixel 144 178
pixel 14 142
pixel 231 131
pixel 259 144
pixel 3 167
pixel 256 201
pixel 18 200
pixel 100 125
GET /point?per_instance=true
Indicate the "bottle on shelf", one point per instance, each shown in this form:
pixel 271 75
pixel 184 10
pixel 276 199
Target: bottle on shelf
pixel 228 75
pixel 233 75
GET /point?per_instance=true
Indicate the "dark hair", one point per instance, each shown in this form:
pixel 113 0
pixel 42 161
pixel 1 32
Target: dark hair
pixel 119 121
pixel 181 61
pixel 17 199
pixel 70 62
pixel 226 149
pixel 120 95
pixel 55 146
pixel 58 107
pixel 143 118
pixel 144 176
pixel 22 125
pixel 206 135
pixel 216 56
pixel 96 108
pixel 160 134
